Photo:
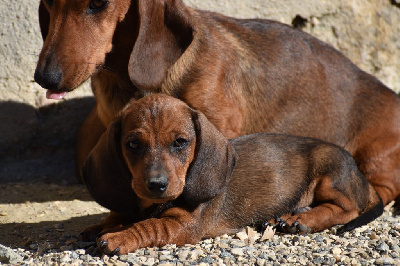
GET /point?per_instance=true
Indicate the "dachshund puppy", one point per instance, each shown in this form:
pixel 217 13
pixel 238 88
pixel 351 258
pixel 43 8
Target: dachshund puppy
pixel 170 177
pixel 245 75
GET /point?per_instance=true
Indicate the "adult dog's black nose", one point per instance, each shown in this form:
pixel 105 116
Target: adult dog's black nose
pixel 157 184
pixel 48 79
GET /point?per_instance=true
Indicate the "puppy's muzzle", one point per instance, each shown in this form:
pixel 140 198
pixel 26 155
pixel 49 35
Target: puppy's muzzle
pixel 157 184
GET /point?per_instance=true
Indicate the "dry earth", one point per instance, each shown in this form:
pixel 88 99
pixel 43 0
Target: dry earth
pixel 31 214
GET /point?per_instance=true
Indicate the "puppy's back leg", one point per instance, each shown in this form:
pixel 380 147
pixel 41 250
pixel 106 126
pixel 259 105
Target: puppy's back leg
pixel 373 210
pixel 88 135
pixel 333 207
pixel 339 197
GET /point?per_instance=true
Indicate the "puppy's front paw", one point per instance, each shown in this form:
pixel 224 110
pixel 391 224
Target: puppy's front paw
pixel 103 245
pixel 293 228
pixel 116 243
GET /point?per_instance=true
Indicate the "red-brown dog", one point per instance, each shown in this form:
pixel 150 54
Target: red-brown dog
pixel 173 178
pixel 246 76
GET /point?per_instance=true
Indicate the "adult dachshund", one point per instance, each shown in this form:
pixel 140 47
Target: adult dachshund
pixel 245 75
pixel 172 178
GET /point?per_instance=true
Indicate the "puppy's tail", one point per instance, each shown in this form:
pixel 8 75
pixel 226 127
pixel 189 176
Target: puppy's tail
pixel 374 210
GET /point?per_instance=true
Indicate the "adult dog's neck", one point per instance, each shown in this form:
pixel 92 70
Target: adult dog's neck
pixel 111 85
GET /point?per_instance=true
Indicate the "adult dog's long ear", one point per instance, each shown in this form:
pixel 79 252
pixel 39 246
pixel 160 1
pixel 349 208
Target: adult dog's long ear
pixel 213 163
pixel 164 34
pixel 106 175
pixel 44 20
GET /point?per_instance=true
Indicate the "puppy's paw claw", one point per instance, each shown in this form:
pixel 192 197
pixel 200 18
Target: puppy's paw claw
pixel 116 251
pixel 295 228
pixel 303 229
pixel 291 229
pixel 103 245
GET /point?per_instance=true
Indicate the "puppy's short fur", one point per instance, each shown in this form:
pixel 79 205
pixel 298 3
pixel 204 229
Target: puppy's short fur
pixel 246 75
pixel 170 177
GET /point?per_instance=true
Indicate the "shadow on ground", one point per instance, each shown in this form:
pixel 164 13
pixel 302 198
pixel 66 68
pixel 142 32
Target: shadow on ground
pixel 47 234
pixel 38 145
pixel 41 201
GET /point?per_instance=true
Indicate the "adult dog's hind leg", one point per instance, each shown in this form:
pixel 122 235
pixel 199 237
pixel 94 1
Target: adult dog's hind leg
pixel 88 135
pixel 380 163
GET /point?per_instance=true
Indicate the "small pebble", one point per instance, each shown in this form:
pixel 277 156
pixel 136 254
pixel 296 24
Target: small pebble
pixel 59 226
pixel 295 240
pixel 373 236
pixel 242 236
pixel 65 258
pixel 382 247
pixel 237 251
pixel 336 251
pixel 80 251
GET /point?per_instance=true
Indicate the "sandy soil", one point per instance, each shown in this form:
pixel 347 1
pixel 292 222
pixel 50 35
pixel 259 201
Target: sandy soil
pixel 37 213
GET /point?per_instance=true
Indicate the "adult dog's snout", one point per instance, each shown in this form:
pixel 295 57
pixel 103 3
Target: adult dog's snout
pixel 49 79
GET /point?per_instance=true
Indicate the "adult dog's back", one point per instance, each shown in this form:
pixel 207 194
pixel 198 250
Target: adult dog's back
pixel 246 76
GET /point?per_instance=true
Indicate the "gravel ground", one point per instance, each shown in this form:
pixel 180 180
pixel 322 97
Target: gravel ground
pixel 374 244
pixel 43 210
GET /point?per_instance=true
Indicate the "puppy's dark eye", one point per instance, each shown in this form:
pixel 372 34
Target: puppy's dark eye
pixel 96 6
pixel 49 2
pixel 180 143
pixel 134 144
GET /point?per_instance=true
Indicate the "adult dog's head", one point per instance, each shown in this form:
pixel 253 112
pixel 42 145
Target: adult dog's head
pixel 158 150
pixel 82 37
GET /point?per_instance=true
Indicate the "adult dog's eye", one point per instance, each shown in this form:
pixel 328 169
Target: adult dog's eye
pixel 180 143
pixel 96 6
pixel 134 144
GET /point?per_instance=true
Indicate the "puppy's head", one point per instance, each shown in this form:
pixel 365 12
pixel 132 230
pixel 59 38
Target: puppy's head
pixel 158 142
pixel 164 150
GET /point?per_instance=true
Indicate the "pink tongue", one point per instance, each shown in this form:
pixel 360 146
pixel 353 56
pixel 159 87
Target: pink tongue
pixel 54 95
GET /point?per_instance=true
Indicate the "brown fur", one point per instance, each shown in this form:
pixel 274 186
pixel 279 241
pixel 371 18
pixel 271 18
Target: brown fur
pixel 246 76
pixel 211 186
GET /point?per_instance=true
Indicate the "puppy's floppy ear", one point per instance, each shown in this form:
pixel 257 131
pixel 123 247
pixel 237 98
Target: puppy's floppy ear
pixel 213 163
pixel 164 34
pixel 44 20
pixel 106 175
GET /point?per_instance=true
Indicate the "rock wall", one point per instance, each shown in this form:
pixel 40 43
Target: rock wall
pixel 367 31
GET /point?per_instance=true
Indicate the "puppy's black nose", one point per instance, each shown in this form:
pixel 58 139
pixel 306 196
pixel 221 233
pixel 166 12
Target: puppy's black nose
pixel 49 79
pixel 157 184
